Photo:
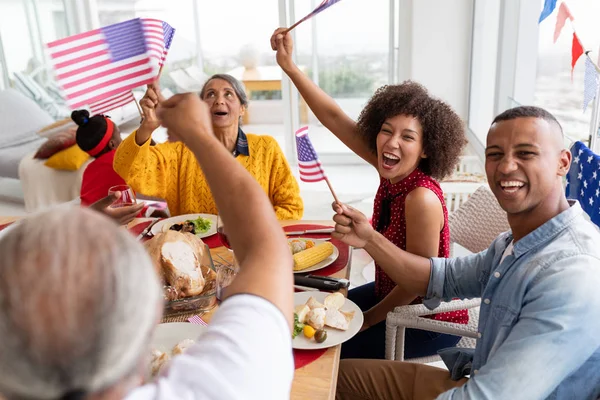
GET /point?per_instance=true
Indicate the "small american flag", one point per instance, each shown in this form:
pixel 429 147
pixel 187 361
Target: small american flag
pixel 106 105
pixel 308 162
pixel 590 81
pixel 104 63
pixel 196 319
pixel 324 5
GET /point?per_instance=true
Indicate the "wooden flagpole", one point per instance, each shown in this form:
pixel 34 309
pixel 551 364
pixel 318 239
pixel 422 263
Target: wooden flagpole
pixel 331 190
pixel 138 106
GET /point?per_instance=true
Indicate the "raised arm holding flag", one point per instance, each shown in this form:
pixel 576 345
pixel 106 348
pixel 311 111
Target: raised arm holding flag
pixel 411 138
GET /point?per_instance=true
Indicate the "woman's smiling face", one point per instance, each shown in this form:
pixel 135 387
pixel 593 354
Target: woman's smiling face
pixel 399 147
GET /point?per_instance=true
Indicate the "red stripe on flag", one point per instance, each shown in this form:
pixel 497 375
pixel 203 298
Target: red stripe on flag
pixel 112 106
pixel 110 82
pixel 73 38
pixel 105 73
pixel 322 178
pixel 83 69
pixel 311 173
pixel 80 59
pixel 127 96
pixel 103 96
pixel 102 103
pixel 76 49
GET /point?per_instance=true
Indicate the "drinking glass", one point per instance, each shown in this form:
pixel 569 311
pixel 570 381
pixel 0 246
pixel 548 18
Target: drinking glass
pixel 127 196
pixel 226 273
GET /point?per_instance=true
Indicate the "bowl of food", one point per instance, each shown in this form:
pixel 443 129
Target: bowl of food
pixel 184 263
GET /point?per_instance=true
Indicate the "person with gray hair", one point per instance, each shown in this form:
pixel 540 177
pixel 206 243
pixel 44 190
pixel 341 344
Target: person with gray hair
pixel 169 171
pixel 79 297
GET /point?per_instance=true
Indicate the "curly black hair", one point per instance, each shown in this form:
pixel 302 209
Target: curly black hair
pixel 443 130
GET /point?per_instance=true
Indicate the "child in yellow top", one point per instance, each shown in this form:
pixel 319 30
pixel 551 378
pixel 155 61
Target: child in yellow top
pixel 170 170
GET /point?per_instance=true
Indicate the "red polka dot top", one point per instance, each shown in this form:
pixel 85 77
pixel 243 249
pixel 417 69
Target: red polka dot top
pixel 390 206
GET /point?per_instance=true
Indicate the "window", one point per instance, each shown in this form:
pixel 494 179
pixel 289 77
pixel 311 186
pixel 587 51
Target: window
pixel 555 89
pixel 350 58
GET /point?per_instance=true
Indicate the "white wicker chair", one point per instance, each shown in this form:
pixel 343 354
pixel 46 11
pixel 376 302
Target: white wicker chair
pixel 474 226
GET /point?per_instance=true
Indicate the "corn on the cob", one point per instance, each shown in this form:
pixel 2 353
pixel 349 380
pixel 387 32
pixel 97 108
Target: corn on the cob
pixel 312 256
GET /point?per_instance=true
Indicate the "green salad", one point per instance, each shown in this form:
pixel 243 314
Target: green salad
pixel 297 326
pixel 201 225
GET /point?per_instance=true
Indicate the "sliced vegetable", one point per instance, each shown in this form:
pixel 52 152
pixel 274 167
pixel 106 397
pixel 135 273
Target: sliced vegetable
pixel 309 331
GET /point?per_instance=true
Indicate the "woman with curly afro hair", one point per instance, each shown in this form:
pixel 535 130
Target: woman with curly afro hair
pixel 413 139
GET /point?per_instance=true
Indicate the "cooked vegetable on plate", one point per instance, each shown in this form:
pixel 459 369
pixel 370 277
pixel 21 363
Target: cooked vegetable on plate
pixel 312 256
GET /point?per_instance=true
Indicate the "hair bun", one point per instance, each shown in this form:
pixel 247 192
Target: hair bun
pixel 81 117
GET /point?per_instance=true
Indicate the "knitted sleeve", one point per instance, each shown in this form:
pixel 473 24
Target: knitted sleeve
pixel 148 169
pixel 284 190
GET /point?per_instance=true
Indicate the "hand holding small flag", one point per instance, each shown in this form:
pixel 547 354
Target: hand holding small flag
pixel 308 161
pixel 324 5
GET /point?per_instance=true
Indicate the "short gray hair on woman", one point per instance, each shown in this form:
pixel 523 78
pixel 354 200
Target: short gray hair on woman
pixel 237 86
pixel 79 300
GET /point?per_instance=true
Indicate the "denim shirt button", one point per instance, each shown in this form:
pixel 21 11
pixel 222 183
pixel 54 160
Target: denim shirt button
pixel 479 335
pixel 486 301
pixel 476 372
pixel 497 274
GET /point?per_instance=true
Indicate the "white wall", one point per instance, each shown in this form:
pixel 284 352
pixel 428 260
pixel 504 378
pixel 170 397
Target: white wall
pixel 435 48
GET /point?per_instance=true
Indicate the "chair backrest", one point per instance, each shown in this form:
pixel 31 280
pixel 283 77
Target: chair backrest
pixel 456 193
pixel 478 221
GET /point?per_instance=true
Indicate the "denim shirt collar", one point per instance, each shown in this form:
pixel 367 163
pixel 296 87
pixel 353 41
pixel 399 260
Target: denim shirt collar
pixel 547 231
pixel 241 145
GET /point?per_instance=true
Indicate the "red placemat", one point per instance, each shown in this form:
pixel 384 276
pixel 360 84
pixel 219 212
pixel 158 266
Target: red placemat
pixel 5 225
pixel 213 241
pixel 305 357
pixel 137 229
pixel 343 248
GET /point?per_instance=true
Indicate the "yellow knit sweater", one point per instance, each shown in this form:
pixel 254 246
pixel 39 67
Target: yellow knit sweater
pixel 171 171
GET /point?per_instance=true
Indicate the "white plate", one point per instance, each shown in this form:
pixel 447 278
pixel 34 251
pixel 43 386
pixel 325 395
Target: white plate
pixel 166 336
pixel 326 262
pixel 334 336
pixel 165 224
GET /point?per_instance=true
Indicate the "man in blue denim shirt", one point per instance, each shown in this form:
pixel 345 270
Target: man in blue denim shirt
pixel 539 331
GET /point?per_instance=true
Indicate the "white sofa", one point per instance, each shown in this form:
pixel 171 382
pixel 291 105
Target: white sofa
pixel 20 120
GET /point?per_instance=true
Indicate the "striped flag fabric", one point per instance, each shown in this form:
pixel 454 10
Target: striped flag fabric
pixel 107 62
pixel 159 36
pixel 196 319
pixel 324 5
pixel 591 81
pixel 106 105
pixel 308 161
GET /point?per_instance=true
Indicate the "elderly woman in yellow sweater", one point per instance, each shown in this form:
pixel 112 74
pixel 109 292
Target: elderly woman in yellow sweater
pixel 170 170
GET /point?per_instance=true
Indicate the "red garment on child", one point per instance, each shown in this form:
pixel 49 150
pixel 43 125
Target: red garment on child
pixel 98 177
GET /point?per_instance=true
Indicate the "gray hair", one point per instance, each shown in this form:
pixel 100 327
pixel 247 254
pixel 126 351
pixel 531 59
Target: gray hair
pixel 237 86
pixel 79 300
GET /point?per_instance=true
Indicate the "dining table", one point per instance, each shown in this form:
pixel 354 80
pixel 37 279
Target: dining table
pixel 316 380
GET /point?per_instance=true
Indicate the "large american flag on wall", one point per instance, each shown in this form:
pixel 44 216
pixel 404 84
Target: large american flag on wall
pixel 106 63
pixel 583 180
